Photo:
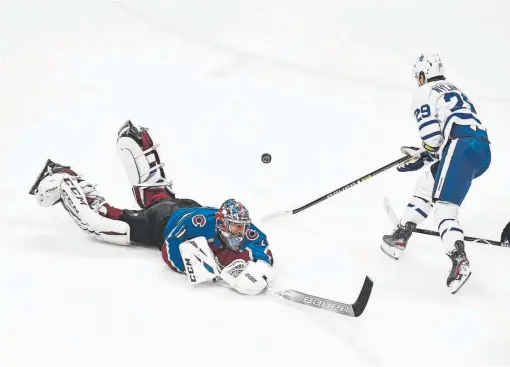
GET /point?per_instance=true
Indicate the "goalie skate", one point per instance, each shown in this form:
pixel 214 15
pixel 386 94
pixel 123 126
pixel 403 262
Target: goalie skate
pixel 46 187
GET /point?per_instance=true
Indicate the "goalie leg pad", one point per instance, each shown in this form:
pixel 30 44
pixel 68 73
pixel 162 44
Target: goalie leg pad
pixel 75 202
pixel 140 158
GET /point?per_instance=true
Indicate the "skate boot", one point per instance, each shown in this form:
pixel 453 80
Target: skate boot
pixel 396 242
pixel 460 271
pixel 46 187
pixel 47 190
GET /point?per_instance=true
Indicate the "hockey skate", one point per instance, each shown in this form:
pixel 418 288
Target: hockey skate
pixel 396 242
pixel 49 168
pixel 57 183
pixel 460 271
pixel 49 193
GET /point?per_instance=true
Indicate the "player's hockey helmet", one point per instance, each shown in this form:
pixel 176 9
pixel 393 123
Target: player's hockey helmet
pixel 428 65
pixel 232 221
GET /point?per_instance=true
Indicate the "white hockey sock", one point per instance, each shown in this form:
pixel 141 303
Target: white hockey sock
pixel 446 218
pixel 416 211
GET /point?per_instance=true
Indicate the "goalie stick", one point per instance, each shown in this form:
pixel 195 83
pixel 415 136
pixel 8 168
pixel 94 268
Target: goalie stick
pixel 394 219
pixel 335 192
pixel 352 310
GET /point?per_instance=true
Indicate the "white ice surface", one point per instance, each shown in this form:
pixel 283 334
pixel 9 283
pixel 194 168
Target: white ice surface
pixel 324 86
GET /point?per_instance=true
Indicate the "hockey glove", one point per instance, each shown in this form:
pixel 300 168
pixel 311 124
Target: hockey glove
pixel 249 278
pixel 418 158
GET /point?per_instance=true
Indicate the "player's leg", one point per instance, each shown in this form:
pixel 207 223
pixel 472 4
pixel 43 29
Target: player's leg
pixel 143 166
pixel 148 225
pixel 58 183
pixel 415 213
pixel 86 206
pixel 462 161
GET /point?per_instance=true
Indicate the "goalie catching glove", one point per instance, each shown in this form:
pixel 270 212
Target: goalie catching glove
pixel 249 278
pixel 418 157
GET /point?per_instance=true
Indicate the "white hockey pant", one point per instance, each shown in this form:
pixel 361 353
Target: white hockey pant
pixel 446 214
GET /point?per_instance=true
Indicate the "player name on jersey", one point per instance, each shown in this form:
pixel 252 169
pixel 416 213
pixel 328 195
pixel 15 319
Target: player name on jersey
pixel 444 88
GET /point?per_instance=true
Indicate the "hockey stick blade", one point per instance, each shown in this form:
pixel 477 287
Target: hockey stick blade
pixel 394 220
pixel 352 310
pixel 389 211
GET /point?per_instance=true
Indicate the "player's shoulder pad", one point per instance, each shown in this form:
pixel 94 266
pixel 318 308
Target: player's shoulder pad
pixel 202 217
pixel 253 234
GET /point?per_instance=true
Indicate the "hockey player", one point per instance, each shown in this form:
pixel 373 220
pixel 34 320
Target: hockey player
pixel 456 144
pixel 205 243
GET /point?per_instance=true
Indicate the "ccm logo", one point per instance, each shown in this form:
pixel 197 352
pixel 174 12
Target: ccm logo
pixel 75 191
pixel 325 304
pixel 189 270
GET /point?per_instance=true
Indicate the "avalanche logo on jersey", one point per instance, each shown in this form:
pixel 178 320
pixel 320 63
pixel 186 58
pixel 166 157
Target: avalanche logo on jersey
pixel 199 220
pixel 251 234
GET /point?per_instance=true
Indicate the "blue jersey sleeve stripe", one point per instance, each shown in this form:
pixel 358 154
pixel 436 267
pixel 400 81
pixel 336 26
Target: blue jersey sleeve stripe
pixel 435 133
pixel 425 124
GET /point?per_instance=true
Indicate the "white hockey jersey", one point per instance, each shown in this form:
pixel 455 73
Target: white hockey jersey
pixel 438 107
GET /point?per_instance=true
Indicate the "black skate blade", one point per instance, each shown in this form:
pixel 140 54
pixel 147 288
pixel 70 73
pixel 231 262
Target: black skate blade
pixel 388 254
pixel 49 162
pixel 462 285
pixel 127 124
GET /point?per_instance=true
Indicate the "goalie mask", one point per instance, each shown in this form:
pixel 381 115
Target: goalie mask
pixel 232 221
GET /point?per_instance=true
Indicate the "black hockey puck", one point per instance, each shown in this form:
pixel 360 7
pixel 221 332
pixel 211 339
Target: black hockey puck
pixel 266 158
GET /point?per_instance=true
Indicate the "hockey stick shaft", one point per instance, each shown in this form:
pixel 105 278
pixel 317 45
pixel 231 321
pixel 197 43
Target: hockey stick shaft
pixel 393 218
pixel 466 238
pixel 337 191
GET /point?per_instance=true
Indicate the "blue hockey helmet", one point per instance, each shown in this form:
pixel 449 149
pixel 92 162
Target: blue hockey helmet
pixel 232 222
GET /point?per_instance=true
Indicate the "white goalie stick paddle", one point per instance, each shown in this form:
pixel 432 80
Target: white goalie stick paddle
pixel 353 310
pixel 394 219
